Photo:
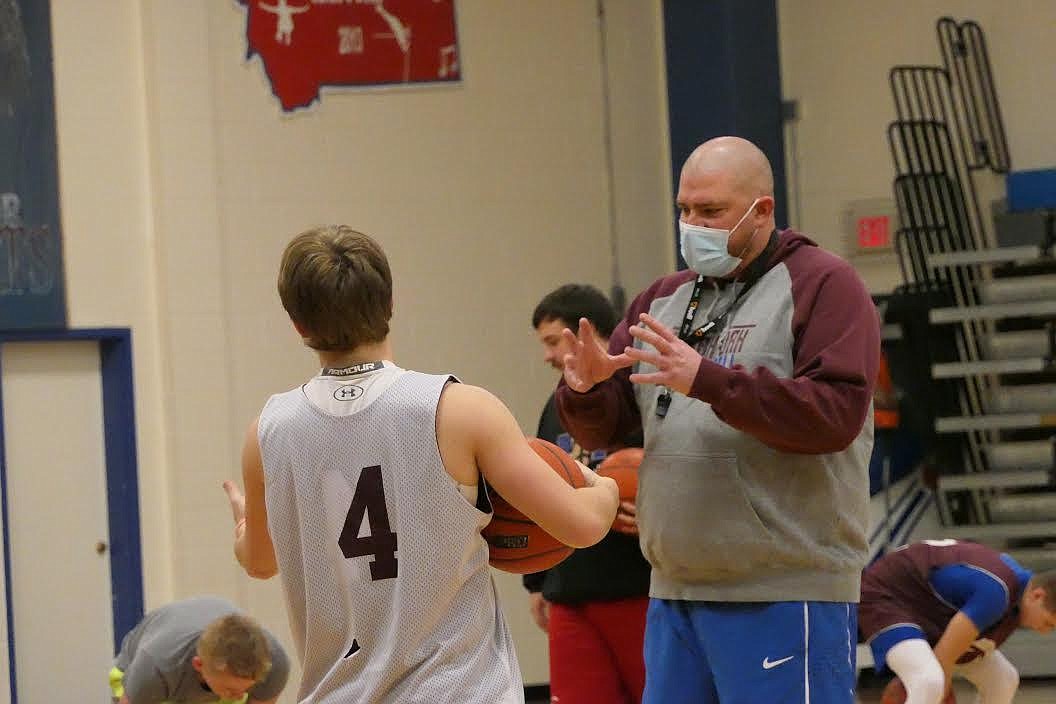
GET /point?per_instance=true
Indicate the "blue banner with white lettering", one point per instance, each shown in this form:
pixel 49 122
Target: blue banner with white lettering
pixel 32 288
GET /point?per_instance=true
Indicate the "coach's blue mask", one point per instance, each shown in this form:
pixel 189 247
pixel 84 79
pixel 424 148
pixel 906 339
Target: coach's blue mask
pixel 705 249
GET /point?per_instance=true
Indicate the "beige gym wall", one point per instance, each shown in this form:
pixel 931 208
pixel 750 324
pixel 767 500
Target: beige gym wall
pixel 182 180
pixel 109 246
pixel 835 58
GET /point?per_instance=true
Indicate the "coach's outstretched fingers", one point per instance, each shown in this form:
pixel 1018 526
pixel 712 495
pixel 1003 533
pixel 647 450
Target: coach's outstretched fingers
pixel 589 362
pixel 676 362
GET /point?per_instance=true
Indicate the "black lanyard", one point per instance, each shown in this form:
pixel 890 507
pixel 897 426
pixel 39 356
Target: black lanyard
pixel 696 336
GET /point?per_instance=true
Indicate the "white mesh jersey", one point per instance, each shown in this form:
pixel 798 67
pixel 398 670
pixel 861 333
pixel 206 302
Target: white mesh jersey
pixel 385 573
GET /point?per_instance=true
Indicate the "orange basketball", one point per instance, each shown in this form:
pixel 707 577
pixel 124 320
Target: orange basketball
pixel 895 693
pixel 622 466
pixel 517 545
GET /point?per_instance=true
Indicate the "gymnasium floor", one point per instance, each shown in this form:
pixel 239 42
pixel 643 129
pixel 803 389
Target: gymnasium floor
pixel 1030 692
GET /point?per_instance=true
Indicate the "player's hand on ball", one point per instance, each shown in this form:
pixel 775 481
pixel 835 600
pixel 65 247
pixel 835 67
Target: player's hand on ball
pixel 592 478
pixel 610 485
pixel 626 518
pixel 589 475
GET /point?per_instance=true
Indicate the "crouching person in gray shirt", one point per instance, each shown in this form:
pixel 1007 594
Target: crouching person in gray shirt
pixel 198 650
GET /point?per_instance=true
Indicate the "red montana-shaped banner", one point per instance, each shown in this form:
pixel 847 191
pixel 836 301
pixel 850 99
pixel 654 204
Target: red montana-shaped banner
pixel 307 44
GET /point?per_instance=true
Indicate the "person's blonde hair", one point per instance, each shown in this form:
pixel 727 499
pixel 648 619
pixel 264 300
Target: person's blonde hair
pixel 237 645
pixel 335 283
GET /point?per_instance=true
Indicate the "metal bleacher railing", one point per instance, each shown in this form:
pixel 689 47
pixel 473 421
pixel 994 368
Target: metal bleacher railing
pixel 977 316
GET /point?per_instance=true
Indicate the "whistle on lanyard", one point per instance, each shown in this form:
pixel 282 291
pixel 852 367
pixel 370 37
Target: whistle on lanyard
pixel 663 402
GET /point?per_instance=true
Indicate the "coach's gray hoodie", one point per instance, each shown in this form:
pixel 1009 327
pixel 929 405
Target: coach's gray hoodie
pixel 755 486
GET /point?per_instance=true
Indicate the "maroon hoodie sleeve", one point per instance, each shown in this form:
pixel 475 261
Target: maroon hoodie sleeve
pixel 600 417
pixel 836 352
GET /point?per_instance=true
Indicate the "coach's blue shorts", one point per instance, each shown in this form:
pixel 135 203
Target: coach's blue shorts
pixel 784 652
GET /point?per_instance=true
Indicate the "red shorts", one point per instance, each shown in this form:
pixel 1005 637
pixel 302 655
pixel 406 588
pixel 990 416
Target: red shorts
pixel 596 652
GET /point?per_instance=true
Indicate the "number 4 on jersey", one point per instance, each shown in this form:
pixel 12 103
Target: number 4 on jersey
pixel 369 499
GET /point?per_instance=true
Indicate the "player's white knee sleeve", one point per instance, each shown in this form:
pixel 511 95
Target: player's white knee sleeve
pixel 994 676
pixel 915 664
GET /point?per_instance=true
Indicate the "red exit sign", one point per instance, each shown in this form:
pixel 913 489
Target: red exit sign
pixel 874 232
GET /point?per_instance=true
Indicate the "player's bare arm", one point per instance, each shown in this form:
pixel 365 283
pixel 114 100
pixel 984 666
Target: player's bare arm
pixel 253 546
pixel 955 641
pixel 475 429
pixel 589 363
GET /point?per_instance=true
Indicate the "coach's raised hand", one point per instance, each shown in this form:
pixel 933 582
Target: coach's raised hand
pixel 676 363
pixel 589 362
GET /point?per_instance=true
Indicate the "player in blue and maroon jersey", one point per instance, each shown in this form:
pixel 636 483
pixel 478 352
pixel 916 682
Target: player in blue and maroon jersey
pixel 934 608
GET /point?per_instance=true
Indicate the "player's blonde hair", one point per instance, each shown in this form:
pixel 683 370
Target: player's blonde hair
pixel 336 285
pixel 237 645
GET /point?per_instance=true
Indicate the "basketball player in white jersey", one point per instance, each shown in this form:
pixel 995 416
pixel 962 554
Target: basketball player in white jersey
pixel 364 492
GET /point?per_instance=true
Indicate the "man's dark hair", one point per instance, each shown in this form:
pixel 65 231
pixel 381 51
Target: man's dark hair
pixel 571 302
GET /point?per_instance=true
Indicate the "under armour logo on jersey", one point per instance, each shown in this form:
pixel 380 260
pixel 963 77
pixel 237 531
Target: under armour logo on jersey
pixel 348 392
